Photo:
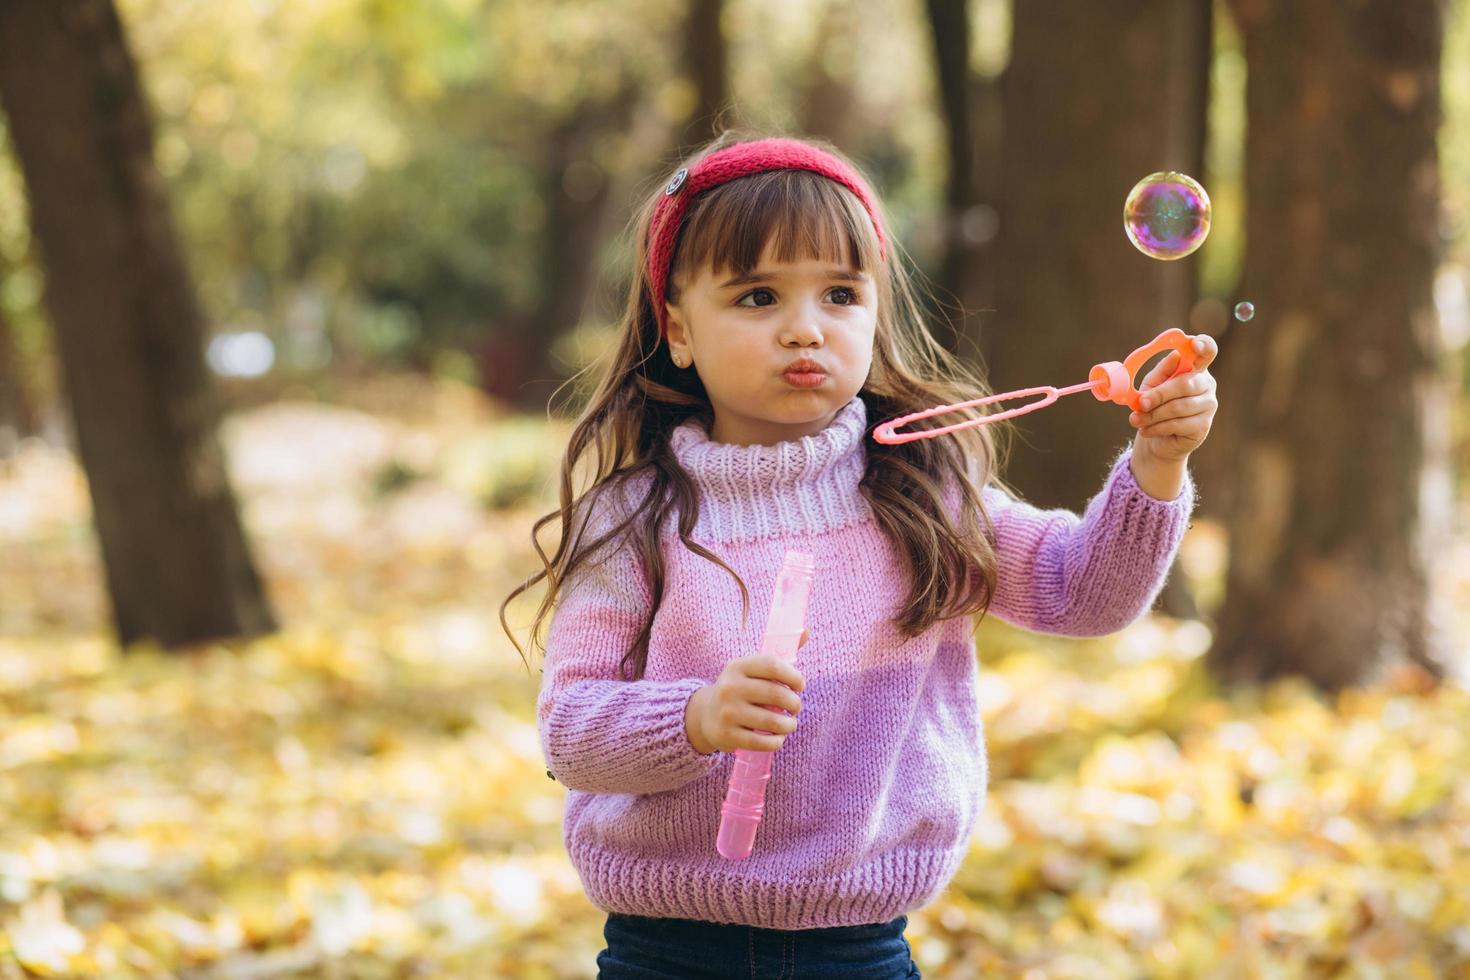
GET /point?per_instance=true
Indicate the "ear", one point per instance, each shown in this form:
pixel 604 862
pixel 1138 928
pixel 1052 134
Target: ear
pixel 677 332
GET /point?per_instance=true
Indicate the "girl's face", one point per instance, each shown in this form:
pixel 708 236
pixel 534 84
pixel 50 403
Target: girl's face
pixel 744 336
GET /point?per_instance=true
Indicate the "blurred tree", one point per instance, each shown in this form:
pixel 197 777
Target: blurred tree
pixel 828 106
pixel 580 137
pixel 369 183
pixel 129 330
pixel 17 414
pixel 577 195
pixel 1342 389
pixel 707 67
pixel 1096 96
pixel 971 112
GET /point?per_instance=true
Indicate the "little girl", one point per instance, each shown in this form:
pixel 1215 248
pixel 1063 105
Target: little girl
pixel 769 329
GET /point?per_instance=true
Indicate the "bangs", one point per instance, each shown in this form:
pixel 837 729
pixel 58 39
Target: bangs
pixel 799 214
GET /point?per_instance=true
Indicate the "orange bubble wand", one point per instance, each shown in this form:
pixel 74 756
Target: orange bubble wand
pixel 1111 381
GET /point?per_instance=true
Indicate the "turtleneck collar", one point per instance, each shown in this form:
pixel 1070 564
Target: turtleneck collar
pixel 806 484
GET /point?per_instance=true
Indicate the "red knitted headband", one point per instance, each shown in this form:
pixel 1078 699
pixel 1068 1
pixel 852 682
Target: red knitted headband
pixel 725 165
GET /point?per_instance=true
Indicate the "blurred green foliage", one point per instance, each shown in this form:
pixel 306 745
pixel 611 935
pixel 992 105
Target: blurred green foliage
pixel 503 465
pixel 367 179
pixel 1454 143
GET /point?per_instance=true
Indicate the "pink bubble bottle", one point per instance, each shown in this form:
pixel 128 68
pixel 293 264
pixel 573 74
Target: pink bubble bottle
pixel 745 798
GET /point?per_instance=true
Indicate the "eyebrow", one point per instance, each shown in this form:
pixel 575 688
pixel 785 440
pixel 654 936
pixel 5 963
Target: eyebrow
pixel 753 277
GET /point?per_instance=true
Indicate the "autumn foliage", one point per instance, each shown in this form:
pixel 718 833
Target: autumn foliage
pixel 363 794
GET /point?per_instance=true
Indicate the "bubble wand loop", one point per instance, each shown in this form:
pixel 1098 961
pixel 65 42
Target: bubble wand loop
pixel 1110 381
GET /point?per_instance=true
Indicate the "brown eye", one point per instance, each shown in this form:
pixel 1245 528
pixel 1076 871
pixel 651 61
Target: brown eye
pixel 755 292
pixel 852 296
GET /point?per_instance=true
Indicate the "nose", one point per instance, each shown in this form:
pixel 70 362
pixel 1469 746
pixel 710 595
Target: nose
pixel 803 328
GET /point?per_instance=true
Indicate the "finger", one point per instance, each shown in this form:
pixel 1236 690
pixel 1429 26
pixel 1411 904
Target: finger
pixel 759 736
pixel 1201 407
pixel 1176 388
pixel 758 741
pixel 1161 371
pixel 1150 399
pixel 802 642
pixel 735 720
pixel 1175 409
pixel 760 717
pixel 769 667
pixel 790 676
pixel 1205 349
pixel 1189 428
pixel 779 671
pixel 778 697
pixel 1202 349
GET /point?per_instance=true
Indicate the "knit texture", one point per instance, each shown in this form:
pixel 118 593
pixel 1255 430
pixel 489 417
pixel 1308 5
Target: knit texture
pixel 873 798
pixel 722 166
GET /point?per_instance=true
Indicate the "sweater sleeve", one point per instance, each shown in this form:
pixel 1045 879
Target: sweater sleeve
pixel 600 733
pixel 1090 575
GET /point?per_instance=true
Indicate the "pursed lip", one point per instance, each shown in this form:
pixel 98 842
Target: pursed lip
pixel 804 365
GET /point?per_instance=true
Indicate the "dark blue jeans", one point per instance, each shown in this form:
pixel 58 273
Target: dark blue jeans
pixel 641 948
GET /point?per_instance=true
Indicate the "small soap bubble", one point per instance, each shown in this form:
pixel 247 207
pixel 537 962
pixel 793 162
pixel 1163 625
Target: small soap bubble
pixel 1167 215
pixel 1244 311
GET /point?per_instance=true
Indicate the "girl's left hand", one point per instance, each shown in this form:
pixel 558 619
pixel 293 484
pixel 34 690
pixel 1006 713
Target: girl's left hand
pixel 1178 412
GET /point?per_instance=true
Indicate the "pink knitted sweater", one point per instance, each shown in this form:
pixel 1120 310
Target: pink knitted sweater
pixel 873 798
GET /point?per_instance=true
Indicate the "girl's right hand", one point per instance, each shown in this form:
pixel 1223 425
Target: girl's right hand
pixel 741 709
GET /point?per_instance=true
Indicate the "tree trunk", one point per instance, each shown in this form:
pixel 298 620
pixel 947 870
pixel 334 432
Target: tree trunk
pixel 129 328
pixel 1096 96
pixel 578 196
pixel 18 417
pixel 970 138
pixel 1342 490
pixel 1090 108
pixel 706 63
pixel 827 105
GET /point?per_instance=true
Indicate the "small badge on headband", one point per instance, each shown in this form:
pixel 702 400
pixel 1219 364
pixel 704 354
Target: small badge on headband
pixel 672 187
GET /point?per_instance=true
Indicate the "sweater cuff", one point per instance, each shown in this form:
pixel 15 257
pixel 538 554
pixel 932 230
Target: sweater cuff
pixel 1155 526
pixel 625 736
pixel 1132 541
pixel 1122 473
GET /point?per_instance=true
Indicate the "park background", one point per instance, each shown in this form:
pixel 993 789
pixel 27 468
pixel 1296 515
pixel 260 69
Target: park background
pixel 288 296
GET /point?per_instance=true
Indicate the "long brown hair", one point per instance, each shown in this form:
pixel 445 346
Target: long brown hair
pixel 640 398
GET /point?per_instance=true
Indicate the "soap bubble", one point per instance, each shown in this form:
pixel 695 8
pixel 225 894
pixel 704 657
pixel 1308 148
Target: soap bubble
pixel 1167 215
pixel 1244 311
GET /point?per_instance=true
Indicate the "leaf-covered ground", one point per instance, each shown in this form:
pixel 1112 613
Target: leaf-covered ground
pixel 362 794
